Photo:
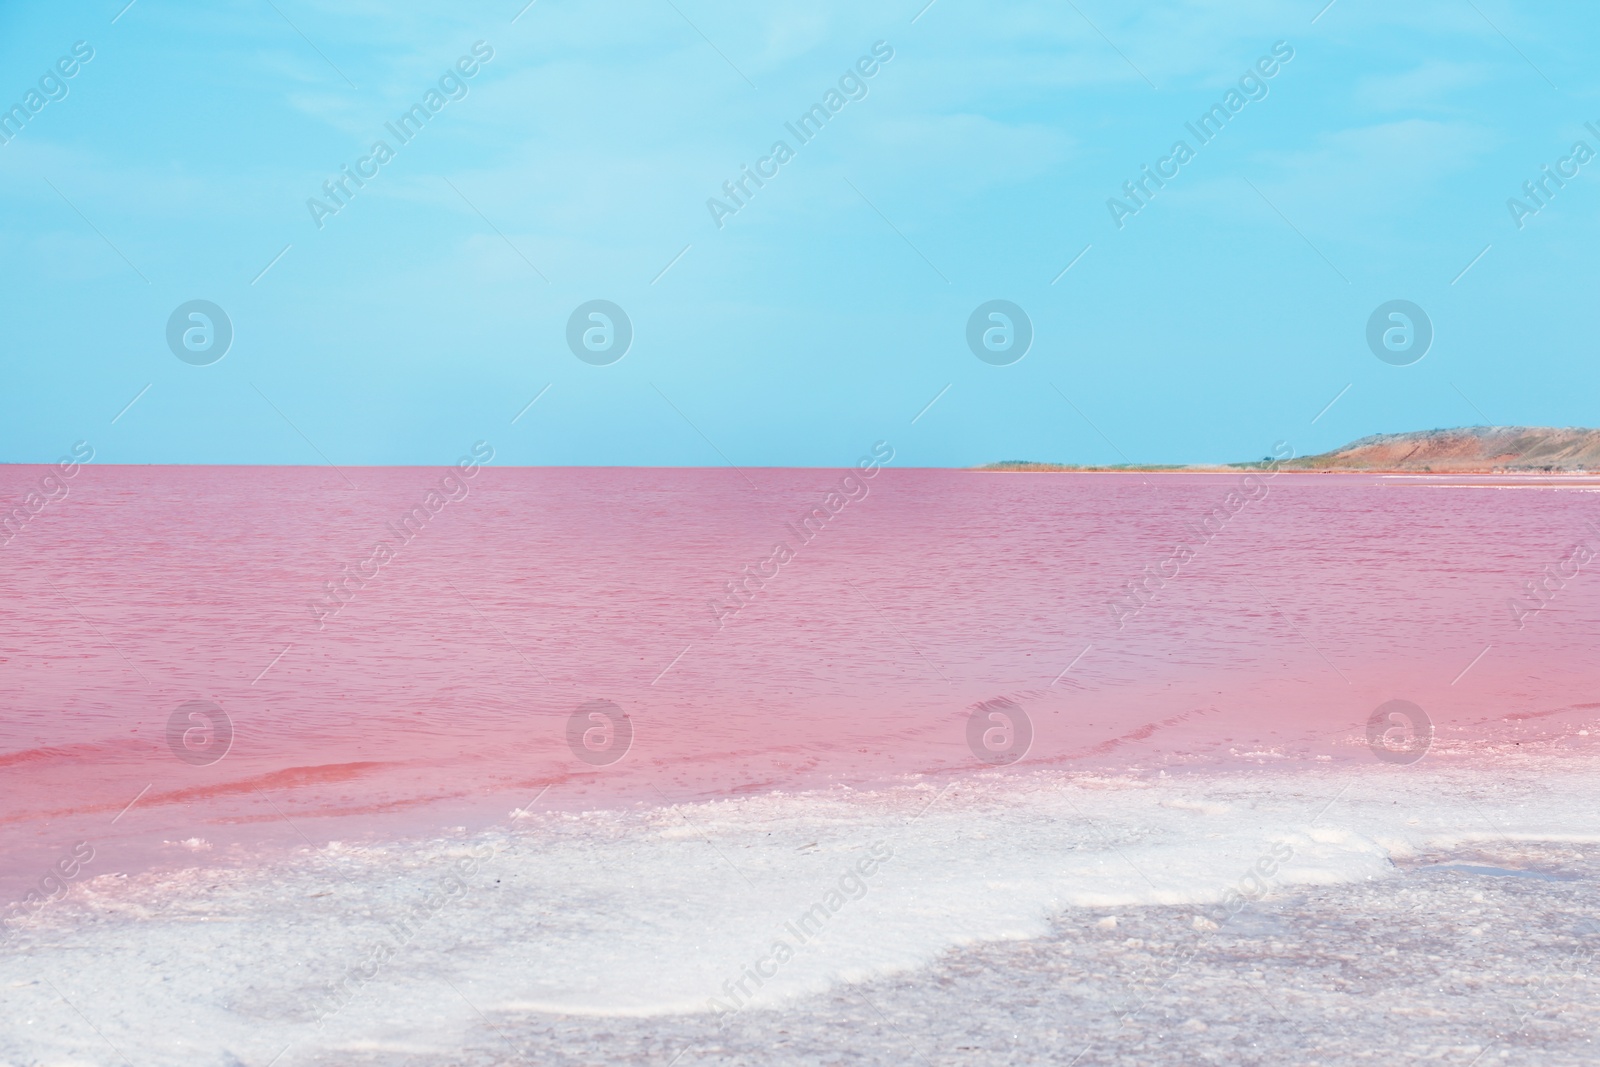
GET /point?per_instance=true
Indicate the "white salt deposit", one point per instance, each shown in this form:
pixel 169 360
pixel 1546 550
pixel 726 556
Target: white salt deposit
pixel 402 949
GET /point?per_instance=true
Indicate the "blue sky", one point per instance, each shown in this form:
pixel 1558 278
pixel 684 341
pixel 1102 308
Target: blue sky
pixel 577 162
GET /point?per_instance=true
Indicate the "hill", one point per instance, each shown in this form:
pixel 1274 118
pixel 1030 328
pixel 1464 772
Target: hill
pixel 1469 448
pixel 1483 449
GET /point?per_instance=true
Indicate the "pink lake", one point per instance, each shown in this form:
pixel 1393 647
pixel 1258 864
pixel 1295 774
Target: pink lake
pixel 440 694
pixel 935 760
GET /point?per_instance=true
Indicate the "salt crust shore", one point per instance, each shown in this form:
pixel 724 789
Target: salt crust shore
pixel 1373 913
pixel 1445 963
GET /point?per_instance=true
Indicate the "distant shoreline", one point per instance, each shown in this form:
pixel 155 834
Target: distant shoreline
pixel 1283 468
pixel 1520 451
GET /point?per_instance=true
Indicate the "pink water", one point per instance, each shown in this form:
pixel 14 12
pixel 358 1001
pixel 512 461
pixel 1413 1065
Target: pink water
pixel 440 694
